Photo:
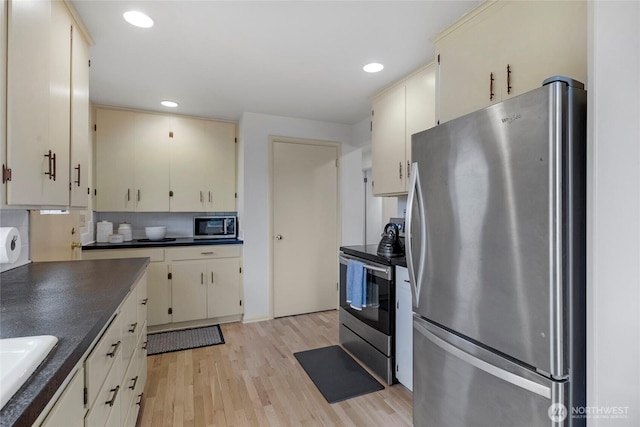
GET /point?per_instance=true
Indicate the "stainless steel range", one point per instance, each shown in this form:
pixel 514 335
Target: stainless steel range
pixel 368 332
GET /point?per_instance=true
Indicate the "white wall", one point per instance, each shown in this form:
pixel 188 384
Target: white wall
pixel 613 281
pixel 253 197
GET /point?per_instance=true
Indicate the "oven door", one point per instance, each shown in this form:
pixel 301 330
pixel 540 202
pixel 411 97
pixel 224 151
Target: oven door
pixel 378 312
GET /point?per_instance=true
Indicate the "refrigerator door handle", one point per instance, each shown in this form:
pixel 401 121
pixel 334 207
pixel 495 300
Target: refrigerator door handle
pixel 485 366
pixel 415 196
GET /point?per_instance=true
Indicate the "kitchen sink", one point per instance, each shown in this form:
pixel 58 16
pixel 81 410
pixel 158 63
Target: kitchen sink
pixel 19 358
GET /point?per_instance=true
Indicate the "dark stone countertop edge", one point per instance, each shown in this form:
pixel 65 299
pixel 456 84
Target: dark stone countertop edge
pixel 27 404
pixel 180 241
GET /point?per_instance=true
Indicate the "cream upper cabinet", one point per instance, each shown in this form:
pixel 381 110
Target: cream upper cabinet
pixel 220 168
pixel 132 161
pixel 505 48
pixel 115 163
pixel 398 112
pixel 159 163
pixel 388 141
pixel 80 130
pixel 151 147
pixel 188 164
pixel 41 112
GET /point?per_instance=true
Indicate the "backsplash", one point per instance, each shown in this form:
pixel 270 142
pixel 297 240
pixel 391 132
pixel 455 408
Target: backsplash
pixel 20 220
pixel 179 224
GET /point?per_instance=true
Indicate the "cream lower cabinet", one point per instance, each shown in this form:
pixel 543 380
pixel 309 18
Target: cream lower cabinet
pixel 205 283
pixel 107 387
pixel 505 48
pixel 159 297
pixel 397 113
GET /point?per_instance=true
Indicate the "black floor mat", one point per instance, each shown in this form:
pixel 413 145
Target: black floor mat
pixel 336 374
pixel 166 342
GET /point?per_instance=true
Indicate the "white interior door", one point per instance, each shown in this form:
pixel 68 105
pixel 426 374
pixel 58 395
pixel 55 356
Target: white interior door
pixel 305 227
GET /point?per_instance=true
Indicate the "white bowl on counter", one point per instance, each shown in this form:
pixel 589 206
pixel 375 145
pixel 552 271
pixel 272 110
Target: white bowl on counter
pixel 155 233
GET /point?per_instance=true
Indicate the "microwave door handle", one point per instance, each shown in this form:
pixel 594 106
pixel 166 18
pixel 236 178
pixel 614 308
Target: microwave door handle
pixel 224 222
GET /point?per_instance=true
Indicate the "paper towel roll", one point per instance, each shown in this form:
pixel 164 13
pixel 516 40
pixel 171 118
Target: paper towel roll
pixel 11 244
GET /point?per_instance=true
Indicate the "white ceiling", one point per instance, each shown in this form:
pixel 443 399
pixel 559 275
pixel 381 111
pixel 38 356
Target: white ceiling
pixel 291 58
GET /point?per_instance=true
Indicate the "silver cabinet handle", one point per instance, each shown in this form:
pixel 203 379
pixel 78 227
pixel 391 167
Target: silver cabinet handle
pixel 135 381
pixel 113 398
pixel 115 349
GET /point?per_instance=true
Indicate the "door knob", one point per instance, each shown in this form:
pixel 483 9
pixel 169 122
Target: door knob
pixel 76 245
pixel 278 236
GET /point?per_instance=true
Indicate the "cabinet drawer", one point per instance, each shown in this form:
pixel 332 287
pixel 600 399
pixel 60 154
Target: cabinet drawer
pixel 203 252
pixel 102 358
pixel 107 404
pixel 154 254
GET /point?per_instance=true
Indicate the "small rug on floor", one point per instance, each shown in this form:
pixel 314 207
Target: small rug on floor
pixel 336 374
pixel 166 342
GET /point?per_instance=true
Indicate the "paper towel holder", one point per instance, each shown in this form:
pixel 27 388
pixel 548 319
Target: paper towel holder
pixel 13 243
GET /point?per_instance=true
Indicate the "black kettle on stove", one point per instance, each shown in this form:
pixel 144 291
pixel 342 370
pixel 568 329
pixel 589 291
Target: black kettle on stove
pixel 390 245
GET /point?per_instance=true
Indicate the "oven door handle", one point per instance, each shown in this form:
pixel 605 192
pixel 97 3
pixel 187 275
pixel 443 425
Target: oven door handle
pixel 386 270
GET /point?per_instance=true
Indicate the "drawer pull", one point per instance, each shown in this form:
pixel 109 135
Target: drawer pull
pixel 135 381
pixel 115 349
pixel 133 327
pixel 144 345
pixel 113 398
pixel 144 301
pixel 207 253
pixel 139 402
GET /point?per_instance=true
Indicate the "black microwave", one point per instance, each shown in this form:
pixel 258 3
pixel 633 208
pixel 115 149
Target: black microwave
pixel 215 227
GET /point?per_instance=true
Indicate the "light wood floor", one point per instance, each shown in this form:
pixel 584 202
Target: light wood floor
pixel 254 379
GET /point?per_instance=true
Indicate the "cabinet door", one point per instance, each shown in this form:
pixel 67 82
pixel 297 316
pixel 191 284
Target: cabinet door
pixel 79 172
pixel 544 39
pixel 404 329
pixel 189 155
pixel 223 297
pixel 420 105
pixel 388 142
pixel 28 47
pixel 158 294
pixel 468 57
pixel 69 409
pixel 152 162
pixel 115 160
pixel 188 291
pixel 220 159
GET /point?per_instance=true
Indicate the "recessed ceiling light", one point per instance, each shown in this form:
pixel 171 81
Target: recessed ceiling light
pixel 373 67
pixel 170 104
pixel 138 19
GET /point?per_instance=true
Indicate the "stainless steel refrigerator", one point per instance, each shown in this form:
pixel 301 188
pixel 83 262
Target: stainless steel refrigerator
pixel 495 246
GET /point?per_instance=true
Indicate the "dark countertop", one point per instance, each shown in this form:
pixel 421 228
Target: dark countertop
pixel 71 300
pixel 180 241
pixel 370 252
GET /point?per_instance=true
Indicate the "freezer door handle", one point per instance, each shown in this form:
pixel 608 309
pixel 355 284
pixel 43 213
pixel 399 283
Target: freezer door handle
pixel 415 197
pixel 485 366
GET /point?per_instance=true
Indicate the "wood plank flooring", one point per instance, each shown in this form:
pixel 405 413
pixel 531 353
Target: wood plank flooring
pixel 254 380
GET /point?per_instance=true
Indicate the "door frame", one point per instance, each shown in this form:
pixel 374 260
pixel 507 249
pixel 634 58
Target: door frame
pixel 304 141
